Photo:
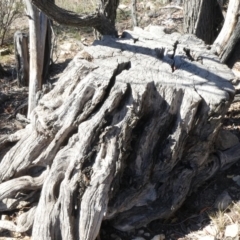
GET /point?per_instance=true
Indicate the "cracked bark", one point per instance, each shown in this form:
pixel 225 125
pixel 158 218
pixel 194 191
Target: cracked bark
pixel 2 72
pixel 134 14
pixel 124 137
pixel 202 18
pixel 229 35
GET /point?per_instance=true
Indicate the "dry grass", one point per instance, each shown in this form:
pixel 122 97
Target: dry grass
pixel 78 6
pixel 222 219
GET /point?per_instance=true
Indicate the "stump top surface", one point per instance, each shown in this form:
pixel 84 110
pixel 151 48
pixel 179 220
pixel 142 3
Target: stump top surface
pixel 126 134
pixel 171 60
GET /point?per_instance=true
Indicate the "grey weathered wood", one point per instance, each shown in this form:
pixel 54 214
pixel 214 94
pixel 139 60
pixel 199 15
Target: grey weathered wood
pixel 18 202
pixel 227 30
pixel 24 222
pixel 127 133
pixel 102 20
pixel 234 39
pixel 2 72
pixel 22 58
pixel 12 137
pixel 202 18
pixel 134 13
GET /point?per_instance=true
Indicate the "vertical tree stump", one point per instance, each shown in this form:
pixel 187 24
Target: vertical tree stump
pixel 128 132
pixel 22 58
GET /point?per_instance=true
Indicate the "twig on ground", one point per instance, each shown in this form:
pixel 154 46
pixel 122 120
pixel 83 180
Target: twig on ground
pixel 170 7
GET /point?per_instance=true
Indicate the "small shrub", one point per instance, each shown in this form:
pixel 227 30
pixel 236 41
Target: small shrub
pixel 9 11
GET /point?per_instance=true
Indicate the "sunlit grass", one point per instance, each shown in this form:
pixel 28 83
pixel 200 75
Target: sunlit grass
pixel 78 6
pixel 223 218
pixel 220 220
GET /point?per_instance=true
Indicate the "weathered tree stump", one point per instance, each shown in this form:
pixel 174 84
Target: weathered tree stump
pixel 22 58
pixel 126 134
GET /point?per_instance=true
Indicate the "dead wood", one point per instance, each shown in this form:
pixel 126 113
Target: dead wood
pixel 22 58
pixel 103 20
pixel 203 19
pixel 126 135
pixel 229 47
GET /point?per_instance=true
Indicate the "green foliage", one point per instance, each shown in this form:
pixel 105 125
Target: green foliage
pixel 9 11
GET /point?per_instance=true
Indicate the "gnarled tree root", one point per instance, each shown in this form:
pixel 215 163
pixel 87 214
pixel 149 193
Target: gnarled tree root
pixel 127 133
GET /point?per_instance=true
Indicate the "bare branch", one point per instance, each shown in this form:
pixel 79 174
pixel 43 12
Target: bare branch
pixel 96 20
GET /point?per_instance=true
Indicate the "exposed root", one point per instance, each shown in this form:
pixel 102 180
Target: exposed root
pixel 121 137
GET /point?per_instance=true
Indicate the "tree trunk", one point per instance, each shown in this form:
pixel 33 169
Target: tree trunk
pixel 134 13
pixel 234 39
pixel 228 37
pixel 22 58
pixel 109 9
pixel 38 35
pixel 47 52
pixel 202 18
pixel 125 136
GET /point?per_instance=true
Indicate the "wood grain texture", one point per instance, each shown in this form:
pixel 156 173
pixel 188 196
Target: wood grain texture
pixel 203 18
pixel 227 30
pixel 126 136
pixel 21 58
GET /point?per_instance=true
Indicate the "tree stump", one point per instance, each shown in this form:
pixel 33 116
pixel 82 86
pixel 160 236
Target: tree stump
pixel 126 134
pixel 22 58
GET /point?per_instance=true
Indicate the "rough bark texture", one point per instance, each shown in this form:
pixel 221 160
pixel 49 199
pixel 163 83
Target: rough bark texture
pixel 202 18
pixel 228 27
pixel 108 8
pixel 47 52
pixel 126 134
pixel 22 58
pixel 234 39
pixel 134 12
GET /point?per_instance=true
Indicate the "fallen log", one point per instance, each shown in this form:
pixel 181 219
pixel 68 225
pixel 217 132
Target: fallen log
pixel 126 134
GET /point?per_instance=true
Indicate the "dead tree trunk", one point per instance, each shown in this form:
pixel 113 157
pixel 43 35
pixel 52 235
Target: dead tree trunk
pixel 234 39
pixel 108 8
pixel 1 71
pixel 22 58
pixel 103 20
pixel 38 32
pixel 229 35
pixel 126 134
pixel 202 18
pixel 21 41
